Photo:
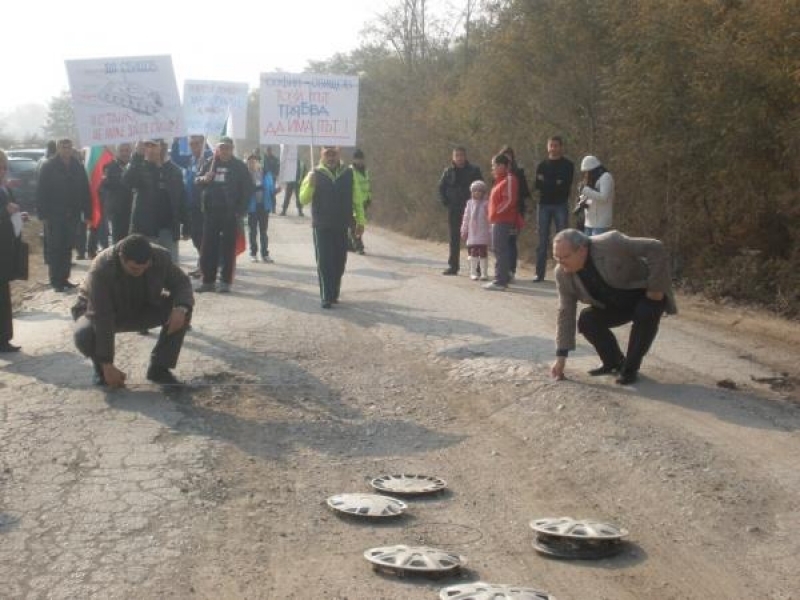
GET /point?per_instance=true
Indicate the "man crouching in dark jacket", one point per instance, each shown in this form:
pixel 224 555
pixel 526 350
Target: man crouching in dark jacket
pixel 131 286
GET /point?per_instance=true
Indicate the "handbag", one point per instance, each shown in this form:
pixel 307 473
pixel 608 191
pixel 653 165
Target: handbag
pixel 20 272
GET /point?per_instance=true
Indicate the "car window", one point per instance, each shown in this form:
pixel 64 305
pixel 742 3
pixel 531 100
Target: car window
pixel 21 166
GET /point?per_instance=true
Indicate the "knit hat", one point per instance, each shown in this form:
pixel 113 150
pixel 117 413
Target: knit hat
pixel 589 163
pixel 477 185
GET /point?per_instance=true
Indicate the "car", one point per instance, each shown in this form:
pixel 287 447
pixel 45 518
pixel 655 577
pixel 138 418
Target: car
pixel 32 153
pixel 22 178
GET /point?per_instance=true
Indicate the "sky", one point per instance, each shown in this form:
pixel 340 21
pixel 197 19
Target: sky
pixel 221 41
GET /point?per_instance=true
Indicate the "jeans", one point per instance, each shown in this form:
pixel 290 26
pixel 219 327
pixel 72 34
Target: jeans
pixel 590 231
pixel 257 223
pixel 500 233
pixel 165 239
pixel 547 214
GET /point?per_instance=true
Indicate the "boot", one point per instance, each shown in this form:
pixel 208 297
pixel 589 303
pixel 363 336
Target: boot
pixel 484 269
pixel 473 268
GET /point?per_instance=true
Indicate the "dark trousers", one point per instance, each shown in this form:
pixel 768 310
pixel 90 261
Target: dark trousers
pixel 6 323
pixel 81 238
pixel 330 246
pixel 97 238
pixel 513 252
pixel 167 349
pixel 120 224
pixel 547 215
pixel 60 235
pixel 196 226
pixel 454 217
pixel 595 324
pixel 257 224
pixel 291 188
pixel 219 244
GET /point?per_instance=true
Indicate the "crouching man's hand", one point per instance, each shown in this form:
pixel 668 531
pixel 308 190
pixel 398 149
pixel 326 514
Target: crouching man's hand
pixel 557 368
pixel 113 376
pixel 177 319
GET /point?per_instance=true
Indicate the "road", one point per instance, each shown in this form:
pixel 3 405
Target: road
pixel 218 490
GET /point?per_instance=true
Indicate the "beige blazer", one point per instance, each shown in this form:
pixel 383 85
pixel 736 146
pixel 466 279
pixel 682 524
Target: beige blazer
pixel 624 263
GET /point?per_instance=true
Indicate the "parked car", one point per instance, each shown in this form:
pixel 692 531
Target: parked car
pixel 22 178
pixel 32 153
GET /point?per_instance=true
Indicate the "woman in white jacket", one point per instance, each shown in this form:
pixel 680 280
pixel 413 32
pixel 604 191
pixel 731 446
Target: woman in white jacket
pixel 596 196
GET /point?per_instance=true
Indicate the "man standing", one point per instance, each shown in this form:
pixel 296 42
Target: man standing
pixel 158 195
pixel 291 189
pixel 227 187
pixel 329 189
pixel 124 291
pixel 553 180
pixel 117 197
pixel 623 280
pixel 191 164
pixel 454 193
pixel 63 201
pixel 362 196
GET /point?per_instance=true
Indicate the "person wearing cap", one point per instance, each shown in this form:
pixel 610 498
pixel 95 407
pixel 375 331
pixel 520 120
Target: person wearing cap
pixel 159 205
pixel 132 285
pixel 227 187
pixel 554 177
pixel 63 201
pixel 454 193
pixel 623 280
pixel 596 196
pixel 329 190
pixel 362 196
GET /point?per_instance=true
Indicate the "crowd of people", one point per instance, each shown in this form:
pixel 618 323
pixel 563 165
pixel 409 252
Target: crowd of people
pixel 622 279
pixel 153 197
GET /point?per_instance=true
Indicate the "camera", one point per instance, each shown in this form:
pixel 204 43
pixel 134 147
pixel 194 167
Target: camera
pixel 582 205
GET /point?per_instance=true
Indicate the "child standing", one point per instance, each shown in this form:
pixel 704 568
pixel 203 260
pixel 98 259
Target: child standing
pixel 503 215
pixel 259 207
pixel 476 232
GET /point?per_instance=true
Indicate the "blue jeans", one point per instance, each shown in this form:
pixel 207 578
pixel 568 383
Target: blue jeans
pixel 548 213
pixel 590 231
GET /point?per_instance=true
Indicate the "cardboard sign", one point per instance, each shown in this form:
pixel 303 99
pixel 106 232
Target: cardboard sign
pixel 207 105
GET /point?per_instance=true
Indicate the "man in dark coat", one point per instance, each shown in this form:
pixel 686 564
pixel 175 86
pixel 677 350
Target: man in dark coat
pixel 227 187
pixel 454 193
pixel 63 200
pixel 125 291
pixel 329 190
pixel 8 252
pixel 117 197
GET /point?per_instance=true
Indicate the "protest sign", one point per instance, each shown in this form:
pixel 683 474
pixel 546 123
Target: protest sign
pixel 208 104
pixel 124 99
pixel 308 109
pixel 288 170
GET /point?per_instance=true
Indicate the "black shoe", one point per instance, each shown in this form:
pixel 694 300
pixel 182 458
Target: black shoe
pixel 59 288
pixel 161 375
pixel 283 213
pixel 538 279
pixel 627 377
pixel 608 369
pixel 9 347
pixel 326 304
pixel 450 271
pixel 98 379
pixel 69 285
pixel 143 332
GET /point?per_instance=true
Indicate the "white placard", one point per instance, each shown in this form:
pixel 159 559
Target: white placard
pixel 288 170
pixel 124 99
pixel 208 104
pixel 308 108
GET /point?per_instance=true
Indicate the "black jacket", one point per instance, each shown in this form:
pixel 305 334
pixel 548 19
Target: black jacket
pixel 8 241
pixel 144 178
pixel 554 180
pixel 231 188
pixel 332 202
pixel 63 191
pixel 454 185
pixel 117 196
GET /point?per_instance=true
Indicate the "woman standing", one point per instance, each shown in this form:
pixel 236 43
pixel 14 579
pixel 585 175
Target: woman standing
pixel 596 196
pixel 8 254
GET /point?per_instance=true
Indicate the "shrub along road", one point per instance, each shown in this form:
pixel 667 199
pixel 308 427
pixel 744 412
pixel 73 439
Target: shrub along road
pixel 217 490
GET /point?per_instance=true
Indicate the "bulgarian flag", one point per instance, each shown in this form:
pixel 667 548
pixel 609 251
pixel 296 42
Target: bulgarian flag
pixel 97 157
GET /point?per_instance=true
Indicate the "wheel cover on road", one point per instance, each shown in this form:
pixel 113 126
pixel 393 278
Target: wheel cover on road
pixel 408 484
pixel 492 591
pixel 566 537
pixel 581 529
pixel 423 560
pixel 367 505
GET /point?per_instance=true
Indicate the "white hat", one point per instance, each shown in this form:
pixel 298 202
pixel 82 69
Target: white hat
pixel 477 185
pixel 589 163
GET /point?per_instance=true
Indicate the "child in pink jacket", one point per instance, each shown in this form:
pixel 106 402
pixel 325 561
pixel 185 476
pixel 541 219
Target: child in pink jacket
pixel 476 231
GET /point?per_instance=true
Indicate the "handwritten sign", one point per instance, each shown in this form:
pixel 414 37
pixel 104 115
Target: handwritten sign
pixel 119 100
pixel 208 104
pixel 308 109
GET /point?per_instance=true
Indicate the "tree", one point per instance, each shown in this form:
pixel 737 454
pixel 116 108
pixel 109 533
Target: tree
pixel 61 118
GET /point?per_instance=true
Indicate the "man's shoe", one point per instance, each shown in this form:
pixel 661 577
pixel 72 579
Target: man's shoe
pixel 326 304
pixel 224 288
pixel 205 287
pixel 59 288
pixel 9 347
pixel 361 252
pixel 143 332
pixel 511 276
pixel 607 369
pixel 267 259
pixel 450 272
pixel 538 279
pixel 283 213
pixel 69 285
pixel 162 375
pixel 627 377
pixel 253 258
pixel 98 379
pixel 493 286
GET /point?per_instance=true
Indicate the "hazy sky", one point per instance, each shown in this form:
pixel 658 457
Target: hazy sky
pixel 225 41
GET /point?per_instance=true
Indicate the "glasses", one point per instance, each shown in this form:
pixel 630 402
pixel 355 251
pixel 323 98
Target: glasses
pixel 563 257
